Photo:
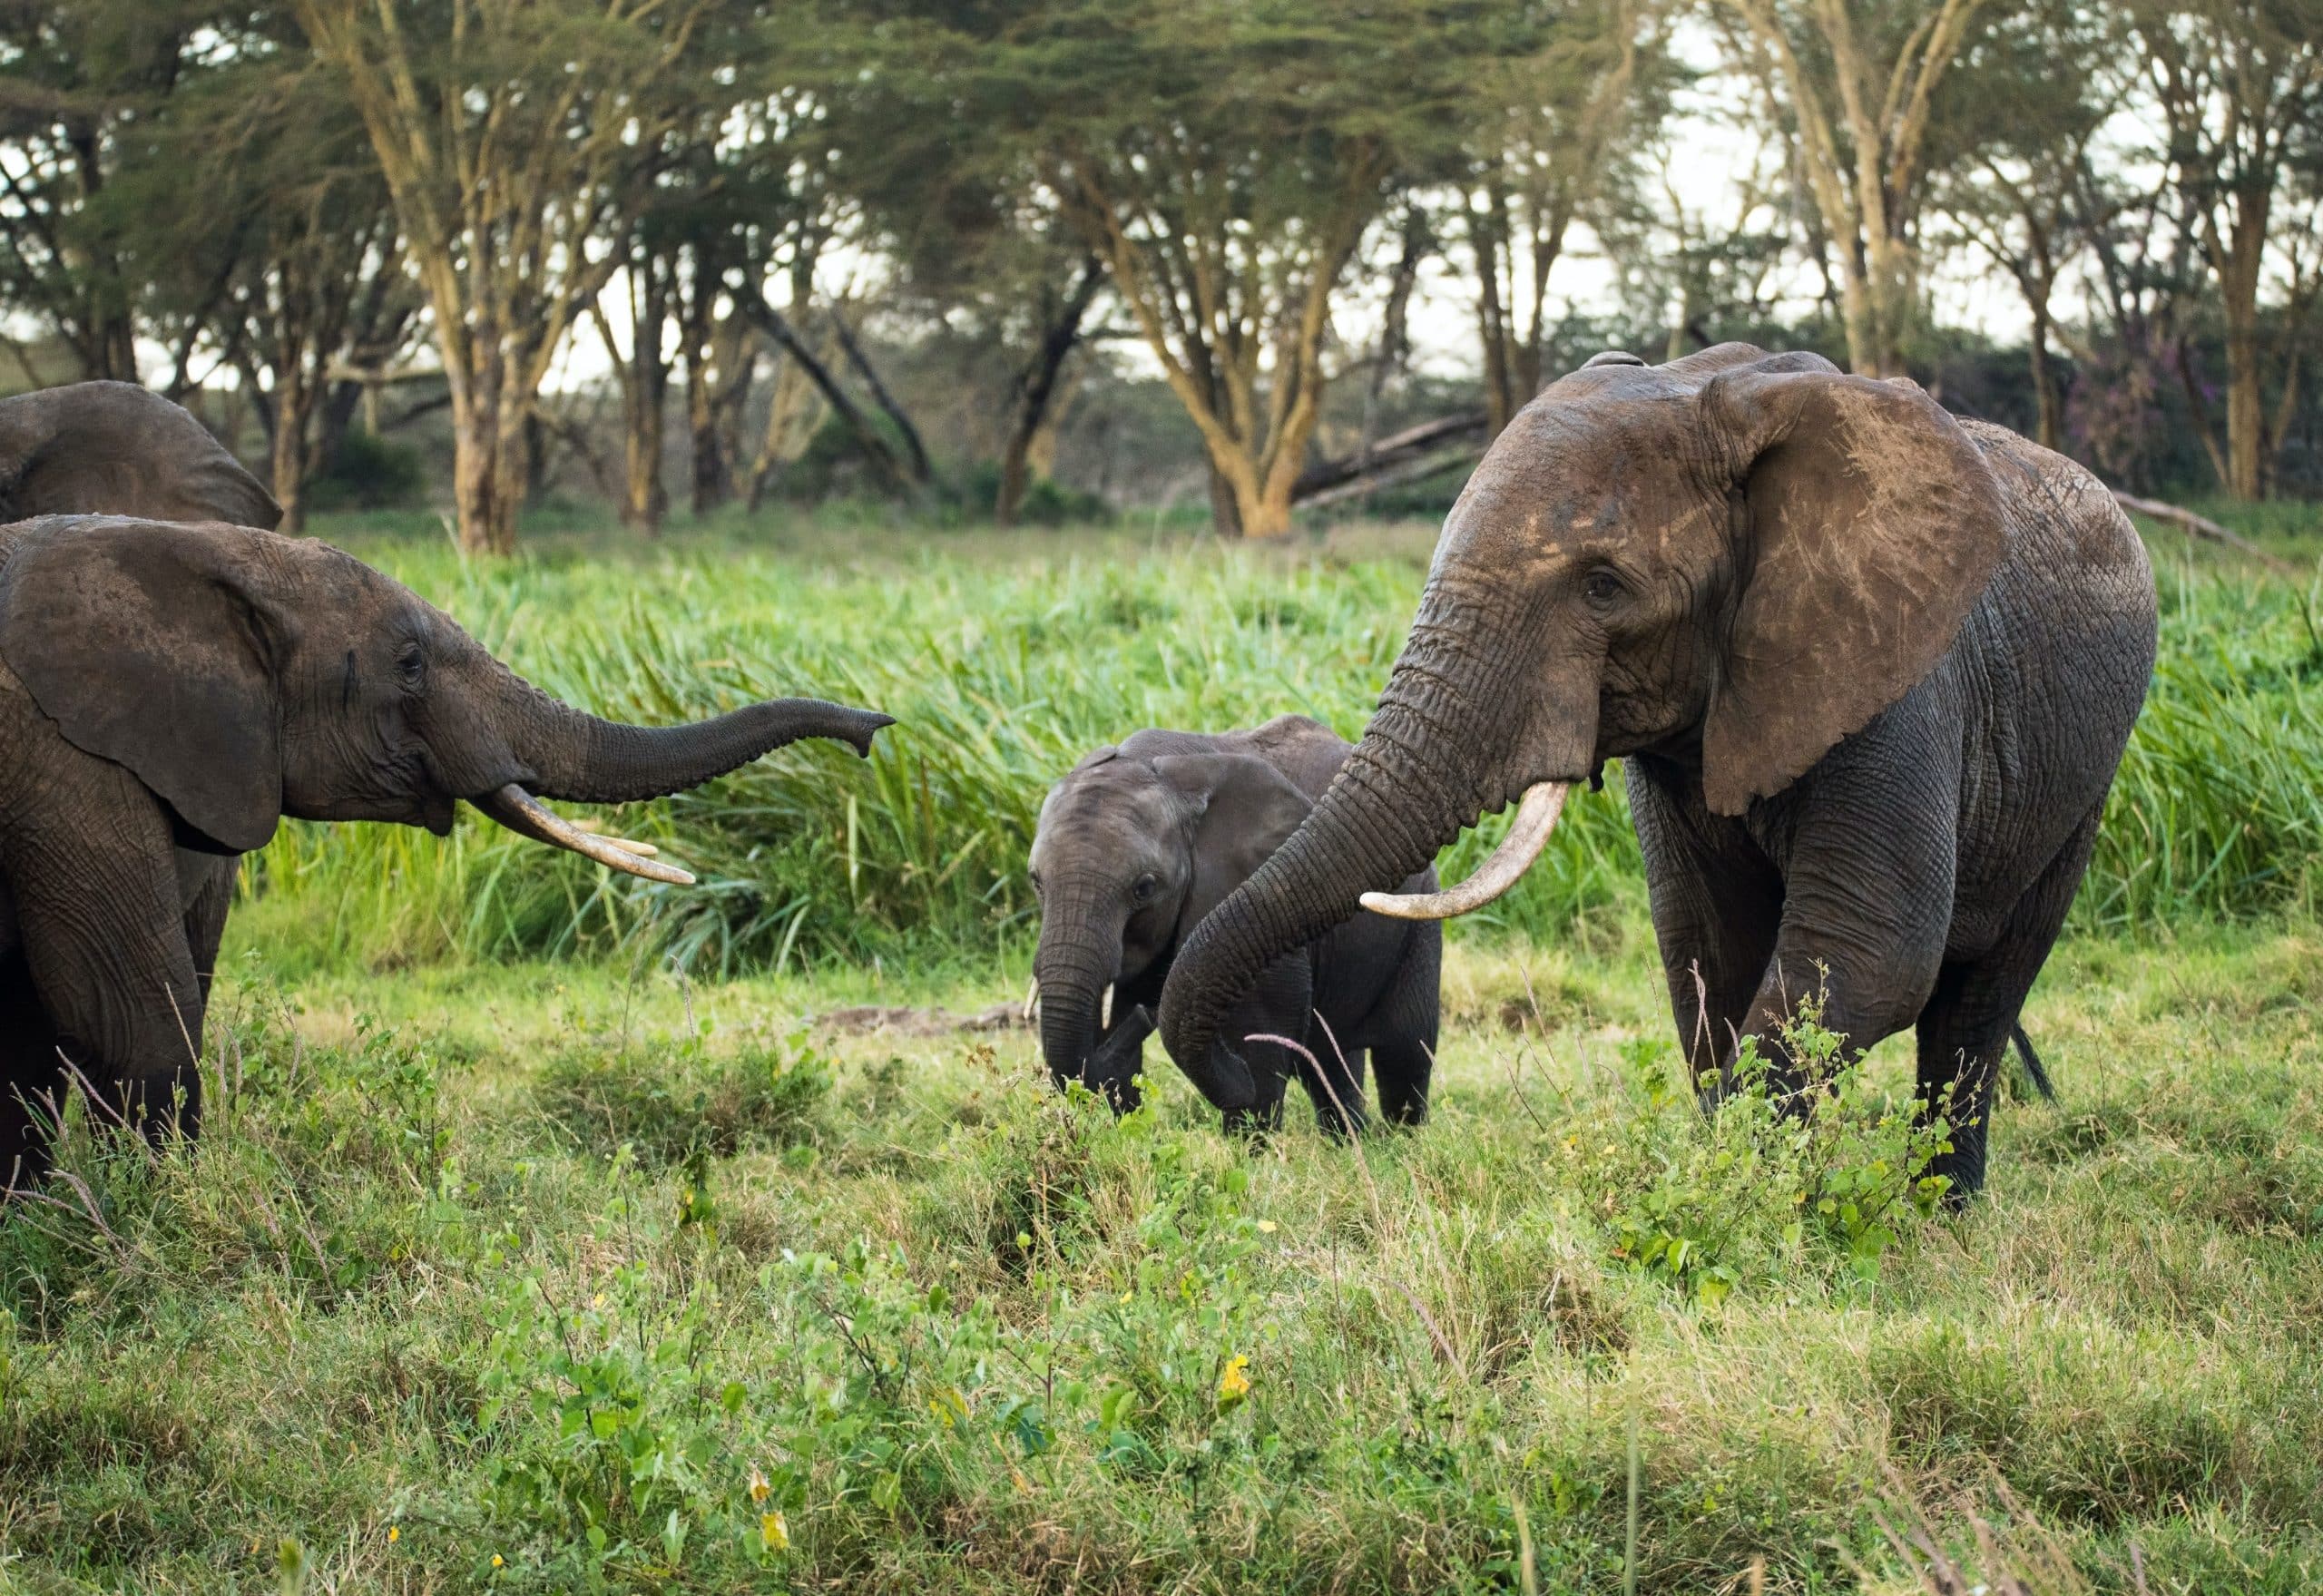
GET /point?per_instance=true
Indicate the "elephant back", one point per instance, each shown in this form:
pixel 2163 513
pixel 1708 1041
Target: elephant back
pixel 115 448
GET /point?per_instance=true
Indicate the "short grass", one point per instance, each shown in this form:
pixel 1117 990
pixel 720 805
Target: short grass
pixel 541 1240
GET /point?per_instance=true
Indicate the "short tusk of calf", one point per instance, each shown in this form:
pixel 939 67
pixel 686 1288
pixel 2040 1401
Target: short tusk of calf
pixel 526 815
pixel 1032 999
pixel 1106 1009
pixel 1536 817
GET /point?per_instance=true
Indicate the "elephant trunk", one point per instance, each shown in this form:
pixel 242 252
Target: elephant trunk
pixel 583 759
pixel 1073 966
pixel 1392 807
pixel 557 752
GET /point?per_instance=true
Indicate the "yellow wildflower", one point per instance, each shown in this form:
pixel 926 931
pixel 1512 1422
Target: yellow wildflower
pixel 758 1487
pixel 774 1532
pixel 1234 1383
pixel 1267 1227
pixel 395 1533
pixel 495 1561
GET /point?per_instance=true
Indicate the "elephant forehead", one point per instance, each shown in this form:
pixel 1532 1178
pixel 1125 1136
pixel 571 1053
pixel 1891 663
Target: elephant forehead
pixel 1122 798
pixel 1560 479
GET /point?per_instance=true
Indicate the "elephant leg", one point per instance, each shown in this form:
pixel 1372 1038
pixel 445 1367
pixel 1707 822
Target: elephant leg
pixel 1867 896
pixel 104 934
pixel 1335 1085
pixel 1965 1029
pixel 31 1079
pixel 1403 1050
pixel 206 884
pixel 1403 1068
pixel 1717 914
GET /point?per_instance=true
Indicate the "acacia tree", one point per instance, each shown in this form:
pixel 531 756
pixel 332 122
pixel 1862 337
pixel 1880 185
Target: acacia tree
pixel 1859 80
pixel 74 75
pixel 270 243
pixel 1550 148
pixel 2021 188
pixel 2238 86
pixel 515 136
pixel 1224 162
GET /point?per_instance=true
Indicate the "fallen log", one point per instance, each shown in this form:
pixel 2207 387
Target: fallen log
pixel 1410 470
pixel 2201 526
pixel 1388 454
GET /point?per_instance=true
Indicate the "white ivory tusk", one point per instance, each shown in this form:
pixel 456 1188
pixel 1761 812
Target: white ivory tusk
pixel 521 812
pixel 1106 1009
pixel 1032 1000
pixel 1536 817
pixel 644 850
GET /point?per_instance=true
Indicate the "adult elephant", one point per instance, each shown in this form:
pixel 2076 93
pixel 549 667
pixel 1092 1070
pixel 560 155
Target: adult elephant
pixel 115 448
pixel 169 693
pixel 1139 843
pixel 1871 669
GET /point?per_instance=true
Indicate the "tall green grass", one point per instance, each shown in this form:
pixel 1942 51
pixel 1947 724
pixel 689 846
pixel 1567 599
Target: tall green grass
pixel 1006 661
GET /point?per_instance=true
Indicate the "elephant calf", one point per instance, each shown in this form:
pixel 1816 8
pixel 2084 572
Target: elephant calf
pixel 1140 842
pixel 169 692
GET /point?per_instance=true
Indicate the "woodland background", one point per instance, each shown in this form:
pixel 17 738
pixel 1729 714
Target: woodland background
pixel 1063 259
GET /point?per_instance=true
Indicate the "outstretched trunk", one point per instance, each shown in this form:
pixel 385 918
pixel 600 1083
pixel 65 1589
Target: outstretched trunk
pixel 585 760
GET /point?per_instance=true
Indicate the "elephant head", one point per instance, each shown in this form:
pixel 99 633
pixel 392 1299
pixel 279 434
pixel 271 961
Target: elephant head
pixel 1129 856
pixel 243 676
pixel 114 446
pixel 1733 562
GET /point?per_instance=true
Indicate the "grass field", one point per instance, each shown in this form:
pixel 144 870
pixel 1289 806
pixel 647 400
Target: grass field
pixel 542 1239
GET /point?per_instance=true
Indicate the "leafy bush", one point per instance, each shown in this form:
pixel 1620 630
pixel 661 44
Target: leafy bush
pixel 370 473
pixel 1812 1157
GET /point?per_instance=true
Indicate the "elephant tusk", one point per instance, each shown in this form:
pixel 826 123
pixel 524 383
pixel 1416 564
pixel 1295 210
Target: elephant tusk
pixel 1536 817
pixel 1106 1009
pixel 644 850
pixel 1032 1000
pixel 527 816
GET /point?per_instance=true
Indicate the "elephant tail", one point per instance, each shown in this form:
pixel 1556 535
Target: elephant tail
pixel 2033 1069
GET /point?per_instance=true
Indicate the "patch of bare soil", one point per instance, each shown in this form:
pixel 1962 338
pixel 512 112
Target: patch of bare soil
pixel 872 1020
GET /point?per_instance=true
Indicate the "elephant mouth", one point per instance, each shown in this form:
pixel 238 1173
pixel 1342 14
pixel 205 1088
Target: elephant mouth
pixel 521 812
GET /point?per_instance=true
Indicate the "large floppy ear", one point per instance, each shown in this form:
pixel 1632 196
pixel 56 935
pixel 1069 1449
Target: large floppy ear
pixel 147 646
pixel 1241 810
pixel 1865 525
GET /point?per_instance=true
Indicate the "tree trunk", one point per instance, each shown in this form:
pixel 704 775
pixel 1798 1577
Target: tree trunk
pixel 2048 428
pixel 2246 406
pixel 645 395
pixel 790 412
pixel 487 466
pixel 1225 505
pixel 294 407
pixel 713 477
pixel 1036 387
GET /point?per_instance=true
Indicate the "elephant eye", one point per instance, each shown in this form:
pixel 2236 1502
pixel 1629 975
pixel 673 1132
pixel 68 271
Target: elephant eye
pixel 411 666
pixel 1034 878
pixel 1601 587
pixel 1147 886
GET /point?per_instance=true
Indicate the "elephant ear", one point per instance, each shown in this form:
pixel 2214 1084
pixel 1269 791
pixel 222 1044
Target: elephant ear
pixel 1241 810
pixel 1866 526
pixel 147 644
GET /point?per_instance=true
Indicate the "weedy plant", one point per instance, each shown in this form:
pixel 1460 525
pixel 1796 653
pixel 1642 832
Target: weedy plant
pixel 1807 1157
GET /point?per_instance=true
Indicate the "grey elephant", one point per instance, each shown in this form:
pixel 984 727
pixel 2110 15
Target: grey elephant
pixel 115 448
pixel 168 692
pixel 1140 842
pixel 1871 669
